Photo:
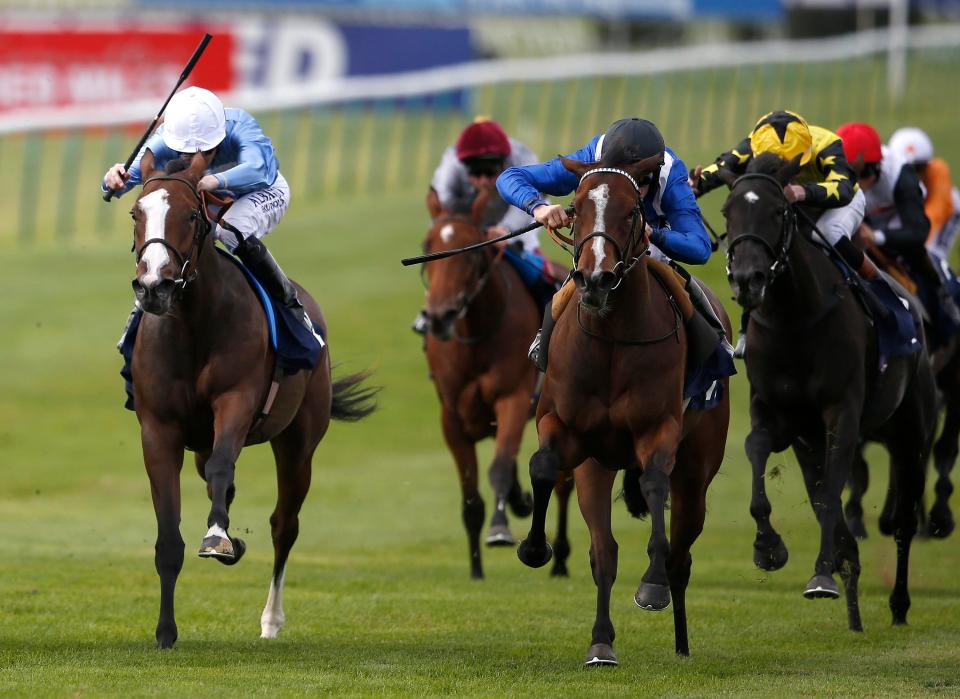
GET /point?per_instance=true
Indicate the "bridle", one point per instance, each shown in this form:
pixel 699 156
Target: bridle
pixel 781 251
pixel 466 300
pixel 627 260
pixel 202 227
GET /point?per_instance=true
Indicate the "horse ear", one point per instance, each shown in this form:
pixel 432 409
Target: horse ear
pixel 641 167
pixel 575 166
pixel 479 206
pixel 147 165
pixel 728 176
pixel 434 207
pixel 198 165
pixel 789 170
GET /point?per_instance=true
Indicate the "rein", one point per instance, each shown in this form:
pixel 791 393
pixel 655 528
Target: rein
pixel 626 259
pixel 201 230
pixel 675 332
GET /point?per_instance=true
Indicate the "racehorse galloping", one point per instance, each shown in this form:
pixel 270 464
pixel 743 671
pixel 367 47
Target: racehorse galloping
pixel 613 398
pixel 480 318
pixel 203 366
pixel 815 384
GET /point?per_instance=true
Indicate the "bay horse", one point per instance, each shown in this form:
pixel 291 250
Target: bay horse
pixel 613 399
pixel 203 367
pixel 816 384
pixel 481 318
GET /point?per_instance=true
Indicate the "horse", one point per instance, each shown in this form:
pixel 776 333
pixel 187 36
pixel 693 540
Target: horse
pixel 613 399
pixel 481 318
pixel 203 367
pixel 815 384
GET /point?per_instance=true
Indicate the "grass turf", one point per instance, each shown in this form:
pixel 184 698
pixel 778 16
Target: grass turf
pixel 378 597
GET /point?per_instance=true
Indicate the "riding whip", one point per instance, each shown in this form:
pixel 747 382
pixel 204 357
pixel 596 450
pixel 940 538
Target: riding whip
pixel 146 134
pixel 450 253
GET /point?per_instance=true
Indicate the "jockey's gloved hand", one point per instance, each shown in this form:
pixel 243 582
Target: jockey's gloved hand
pixel 115 178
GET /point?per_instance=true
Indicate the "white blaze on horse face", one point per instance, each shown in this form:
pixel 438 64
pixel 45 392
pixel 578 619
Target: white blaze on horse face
pixel 446 233
pixel 271 621
pixel 751 197
pixel 155 207
pixel 599 196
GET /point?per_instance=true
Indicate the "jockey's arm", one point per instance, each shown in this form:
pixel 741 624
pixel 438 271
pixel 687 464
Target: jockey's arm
pixel 908 199
pixel 255 166
pixel 686 239
pixel 524 187
pixel 735 159
pixel 836 189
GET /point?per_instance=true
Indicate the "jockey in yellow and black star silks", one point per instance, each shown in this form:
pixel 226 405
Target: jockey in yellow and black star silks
pixel 825 187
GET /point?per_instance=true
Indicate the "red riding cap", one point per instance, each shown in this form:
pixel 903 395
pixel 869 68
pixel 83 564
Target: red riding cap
pixel 483 139
pixel 860 141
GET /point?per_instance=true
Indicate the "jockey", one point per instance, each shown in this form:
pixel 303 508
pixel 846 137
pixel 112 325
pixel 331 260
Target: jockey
pixel 677 230
pixel 895 218
pixel 825 186
pixel 942 199
pixel 241 164
pixel 481 153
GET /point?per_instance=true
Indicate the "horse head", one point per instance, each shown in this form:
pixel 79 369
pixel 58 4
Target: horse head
pixel 454 282
pixel 170 228
pixel 609 216
pixel 760 226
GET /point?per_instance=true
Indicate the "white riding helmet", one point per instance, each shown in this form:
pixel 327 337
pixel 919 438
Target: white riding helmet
pixel 912 145
pixel 194 121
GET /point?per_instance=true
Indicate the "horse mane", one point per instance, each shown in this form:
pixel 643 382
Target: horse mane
pixel 766 164
pixel 176 165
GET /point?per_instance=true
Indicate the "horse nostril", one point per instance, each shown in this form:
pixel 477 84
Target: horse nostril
pixel 579 279
pixel 756 280
pixel 605 280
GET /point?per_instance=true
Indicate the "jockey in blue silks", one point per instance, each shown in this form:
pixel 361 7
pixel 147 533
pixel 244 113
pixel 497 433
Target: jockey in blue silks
pixel 675 223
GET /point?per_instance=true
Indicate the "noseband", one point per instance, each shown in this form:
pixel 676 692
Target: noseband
pixel 779 253
pixel 201 230
pixel 626 259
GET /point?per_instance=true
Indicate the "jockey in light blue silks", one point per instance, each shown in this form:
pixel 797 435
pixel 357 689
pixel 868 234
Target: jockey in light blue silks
pixel 481 153
pixel 241 165
pixel 675 224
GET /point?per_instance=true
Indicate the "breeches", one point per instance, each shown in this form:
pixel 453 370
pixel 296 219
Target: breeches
pixel 257 213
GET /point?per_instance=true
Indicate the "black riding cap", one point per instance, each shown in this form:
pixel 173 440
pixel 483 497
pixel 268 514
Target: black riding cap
pixel 630 140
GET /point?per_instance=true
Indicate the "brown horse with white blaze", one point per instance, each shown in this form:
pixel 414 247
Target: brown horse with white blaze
pixel 203 367
pixel 481 318
pixel 613 399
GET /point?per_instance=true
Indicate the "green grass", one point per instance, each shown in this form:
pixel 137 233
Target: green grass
pixel 378 597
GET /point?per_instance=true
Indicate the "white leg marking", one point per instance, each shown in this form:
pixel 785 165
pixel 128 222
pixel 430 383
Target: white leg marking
pixel 599 195
pixel 216 530
pixel 155 207
pixel 271 621
pixel 446 233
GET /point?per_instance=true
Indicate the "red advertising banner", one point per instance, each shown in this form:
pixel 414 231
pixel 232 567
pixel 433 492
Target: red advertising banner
pixel 82 66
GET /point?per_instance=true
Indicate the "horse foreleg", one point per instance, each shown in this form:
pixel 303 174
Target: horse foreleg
pixel 163 458
pixel 511 415
pixel 465 456
pixel 561 545
pixel 688 509
pixel 941 522
pixel 769 551
pixel 594 486
pixel 859 482
pixel 231 420
pixel 558 451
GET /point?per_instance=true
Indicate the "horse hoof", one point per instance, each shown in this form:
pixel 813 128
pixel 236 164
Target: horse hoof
pixel 600 655
pixel 941 524
pixel 770 558
pixel 239 548
pixel 652 597
pixel 218 547
pixel 521 505
pixel 857 529
pixel 534 556
pixel 499 535
pixel 559 570
pixel 166 636
pixel 821 587
pixel 270 629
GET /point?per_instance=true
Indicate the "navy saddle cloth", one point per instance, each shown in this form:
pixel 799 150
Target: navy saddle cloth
pixel 295 347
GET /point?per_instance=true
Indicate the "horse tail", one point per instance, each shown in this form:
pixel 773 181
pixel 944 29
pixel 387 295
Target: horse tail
pixel 632 495
pixel 353 401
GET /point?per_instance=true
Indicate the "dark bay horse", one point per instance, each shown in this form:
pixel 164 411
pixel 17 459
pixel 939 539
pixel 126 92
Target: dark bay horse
pixel 613 399
pixel 481 318
pixel 815 384
pixel 203 367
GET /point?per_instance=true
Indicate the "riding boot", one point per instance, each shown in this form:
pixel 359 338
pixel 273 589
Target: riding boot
pixel 255 256
pixel 741 349
pixel 541 343
pixel 703 306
